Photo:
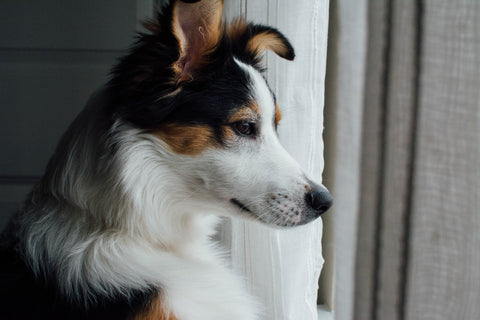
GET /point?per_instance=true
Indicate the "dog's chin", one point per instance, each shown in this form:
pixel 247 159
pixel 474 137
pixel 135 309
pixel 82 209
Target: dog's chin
pixel 273 219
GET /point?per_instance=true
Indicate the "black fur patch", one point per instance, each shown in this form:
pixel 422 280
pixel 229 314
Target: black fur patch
pixel 23 296
pixel 145 91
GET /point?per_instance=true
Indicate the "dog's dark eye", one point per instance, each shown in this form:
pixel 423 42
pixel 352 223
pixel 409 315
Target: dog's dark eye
pixel 244 128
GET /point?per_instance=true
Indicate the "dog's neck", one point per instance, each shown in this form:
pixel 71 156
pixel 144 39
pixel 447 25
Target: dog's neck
pixel 89 261
pixel 129 230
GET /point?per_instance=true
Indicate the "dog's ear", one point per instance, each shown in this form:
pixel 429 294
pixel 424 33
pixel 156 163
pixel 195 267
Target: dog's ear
pixel 197 25
pixel 252 40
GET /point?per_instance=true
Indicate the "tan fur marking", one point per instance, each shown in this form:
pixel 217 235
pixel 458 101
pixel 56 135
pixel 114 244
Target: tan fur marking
pixel 258 43
pixel 237 28
pixel 267 40
pixel 278 115
pixel 228 134
pixel 254 107
pixel 156 311
pixel 186 139
pixel 250 112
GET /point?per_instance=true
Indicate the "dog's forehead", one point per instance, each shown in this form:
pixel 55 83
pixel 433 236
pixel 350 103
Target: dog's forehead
pixel 238 90
pixel 205 115
pixel 263 100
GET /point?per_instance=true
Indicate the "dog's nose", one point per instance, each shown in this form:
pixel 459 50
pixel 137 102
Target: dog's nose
pixel 319 199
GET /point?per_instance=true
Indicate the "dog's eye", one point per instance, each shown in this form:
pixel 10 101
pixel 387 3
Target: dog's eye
pixel 244 128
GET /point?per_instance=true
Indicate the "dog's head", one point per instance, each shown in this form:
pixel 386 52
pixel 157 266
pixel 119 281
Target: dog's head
pixel 196 86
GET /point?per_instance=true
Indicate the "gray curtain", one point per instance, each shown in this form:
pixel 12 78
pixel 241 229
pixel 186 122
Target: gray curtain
pixel 403 106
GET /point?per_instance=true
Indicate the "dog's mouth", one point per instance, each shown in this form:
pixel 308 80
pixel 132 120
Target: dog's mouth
pixel 279 214
pixel 240 205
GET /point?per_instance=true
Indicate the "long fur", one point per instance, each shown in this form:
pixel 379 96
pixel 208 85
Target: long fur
pixel 120 225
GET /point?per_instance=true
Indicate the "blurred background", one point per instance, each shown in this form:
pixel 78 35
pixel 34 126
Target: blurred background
pixel 402 134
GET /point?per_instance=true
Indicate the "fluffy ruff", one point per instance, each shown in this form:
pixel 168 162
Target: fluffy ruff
pixel 120 225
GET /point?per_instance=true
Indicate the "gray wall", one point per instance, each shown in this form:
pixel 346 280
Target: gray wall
pixel 53 54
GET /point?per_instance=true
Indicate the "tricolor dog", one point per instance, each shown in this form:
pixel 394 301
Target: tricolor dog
pixel 119 226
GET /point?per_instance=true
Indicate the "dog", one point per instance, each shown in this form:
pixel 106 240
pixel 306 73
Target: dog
pixel 184 132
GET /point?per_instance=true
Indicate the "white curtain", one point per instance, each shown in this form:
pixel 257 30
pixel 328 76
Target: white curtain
pixel 282 267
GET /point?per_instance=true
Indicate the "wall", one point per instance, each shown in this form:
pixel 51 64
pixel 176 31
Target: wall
pixel 53 55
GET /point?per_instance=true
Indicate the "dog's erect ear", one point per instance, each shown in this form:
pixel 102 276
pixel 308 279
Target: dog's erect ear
pixel 197 25
pixel 252 40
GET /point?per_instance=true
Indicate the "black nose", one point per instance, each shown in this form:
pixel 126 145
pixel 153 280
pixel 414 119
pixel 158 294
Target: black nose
pixel 319 199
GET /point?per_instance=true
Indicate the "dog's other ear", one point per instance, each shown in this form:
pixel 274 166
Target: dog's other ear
pixel 197 25
pixel 253 40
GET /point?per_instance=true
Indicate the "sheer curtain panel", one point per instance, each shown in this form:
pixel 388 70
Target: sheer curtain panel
pixel 282 267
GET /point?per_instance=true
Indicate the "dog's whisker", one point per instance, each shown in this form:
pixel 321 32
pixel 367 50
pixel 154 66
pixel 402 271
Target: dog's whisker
pixel 120 225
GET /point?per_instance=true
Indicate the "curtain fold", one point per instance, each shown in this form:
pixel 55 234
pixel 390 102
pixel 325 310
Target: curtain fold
pixel 405 81
pixel 282 267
